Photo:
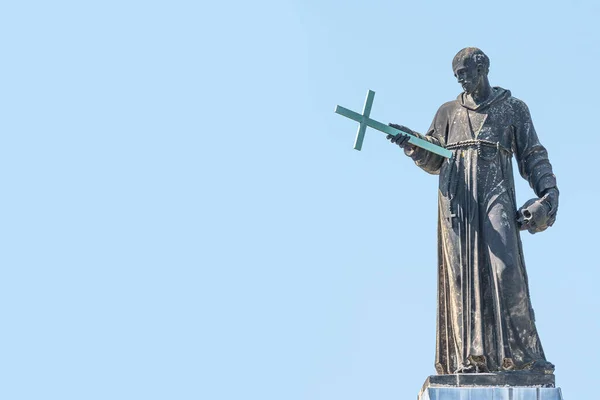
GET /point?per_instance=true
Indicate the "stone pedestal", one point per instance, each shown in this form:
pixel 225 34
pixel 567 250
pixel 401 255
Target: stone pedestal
pixel 494 386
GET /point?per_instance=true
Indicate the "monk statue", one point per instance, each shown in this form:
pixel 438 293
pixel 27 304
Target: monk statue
pixel 485 320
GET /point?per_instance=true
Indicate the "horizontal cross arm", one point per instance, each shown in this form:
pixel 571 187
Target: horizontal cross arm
pixel 417 141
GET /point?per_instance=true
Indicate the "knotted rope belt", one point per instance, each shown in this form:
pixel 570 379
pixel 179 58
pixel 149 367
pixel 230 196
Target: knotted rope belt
pixel 478 143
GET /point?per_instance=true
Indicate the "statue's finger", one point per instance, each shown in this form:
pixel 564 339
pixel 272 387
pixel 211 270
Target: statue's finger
pixel 532 227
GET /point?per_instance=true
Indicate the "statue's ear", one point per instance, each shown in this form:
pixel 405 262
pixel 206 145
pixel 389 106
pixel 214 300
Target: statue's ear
pixel 480 63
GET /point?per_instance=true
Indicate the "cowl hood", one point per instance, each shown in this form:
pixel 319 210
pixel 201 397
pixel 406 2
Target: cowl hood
pixel 498 94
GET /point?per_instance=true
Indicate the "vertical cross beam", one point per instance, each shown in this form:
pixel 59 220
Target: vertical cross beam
pixel 362 127
pixel 364 120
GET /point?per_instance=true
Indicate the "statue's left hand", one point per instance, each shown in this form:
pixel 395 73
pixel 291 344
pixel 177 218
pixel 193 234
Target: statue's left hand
pixel 534 216
pixel 550 197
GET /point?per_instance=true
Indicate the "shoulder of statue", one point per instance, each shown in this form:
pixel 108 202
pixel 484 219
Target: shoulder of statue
pixel 518 105
pixel 448 107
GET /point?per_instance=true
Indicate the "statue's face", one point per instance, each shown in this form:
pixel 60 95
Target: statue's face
pixel 468 75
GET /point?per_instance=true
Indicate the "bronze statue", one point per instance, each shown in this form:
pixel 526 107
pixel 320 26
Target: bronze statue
pixel 485 319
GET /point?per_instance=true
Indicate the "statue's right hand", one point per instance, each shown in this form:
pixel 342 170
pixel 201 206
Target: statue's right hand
pixel 401 139
pixel 402 128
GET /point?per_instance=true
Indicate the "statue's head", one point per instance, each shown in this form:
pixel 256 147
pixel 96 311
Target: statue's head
pixel 470 67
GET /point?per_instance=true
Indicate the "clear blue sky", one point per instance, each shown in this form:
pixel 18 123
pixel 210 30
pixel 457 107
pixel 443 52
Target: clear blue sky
pixel 183 215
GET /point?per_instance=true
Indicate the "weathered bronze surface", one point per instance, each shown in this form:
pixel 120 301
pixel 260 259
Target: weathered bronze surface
pixel 485 319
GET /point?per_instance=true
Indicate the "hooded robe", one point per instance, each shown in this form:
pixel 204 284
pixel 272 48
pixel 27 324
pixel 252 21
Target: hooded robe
pixel 485 315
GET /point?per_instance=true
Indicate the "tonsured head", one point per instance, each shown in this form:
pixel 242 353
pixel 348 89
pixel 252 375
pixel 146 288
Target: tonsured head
pixel 471 66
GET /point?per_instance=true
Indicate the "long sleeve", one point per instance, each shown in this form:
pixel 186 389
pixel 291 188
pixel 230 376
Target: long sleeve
pixel 426 160
pixel 532 157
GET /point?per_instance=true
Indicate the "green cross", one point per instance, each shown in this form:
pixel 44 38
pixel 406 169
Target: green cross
pixel 364 121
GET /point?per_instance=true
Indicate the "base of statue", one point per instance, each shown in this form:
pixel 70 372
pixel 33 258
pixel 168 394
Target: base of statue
pixel 521 385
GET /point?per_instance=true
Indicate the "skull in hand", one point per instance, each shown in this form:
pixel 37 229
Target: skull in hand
pixel 534 216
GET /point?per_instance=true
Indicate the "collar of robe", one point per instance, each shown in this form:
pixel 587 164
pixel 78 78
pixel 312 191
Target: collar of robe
pixel 497 94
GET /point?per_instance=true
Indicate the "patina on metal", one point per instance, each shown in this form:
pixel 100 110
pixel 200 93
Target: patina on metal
pixel 485 320
pixel 364 121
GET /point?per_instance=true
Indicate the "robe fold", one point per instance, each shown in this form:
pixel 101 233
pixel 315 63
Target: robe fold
pixel 484 307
